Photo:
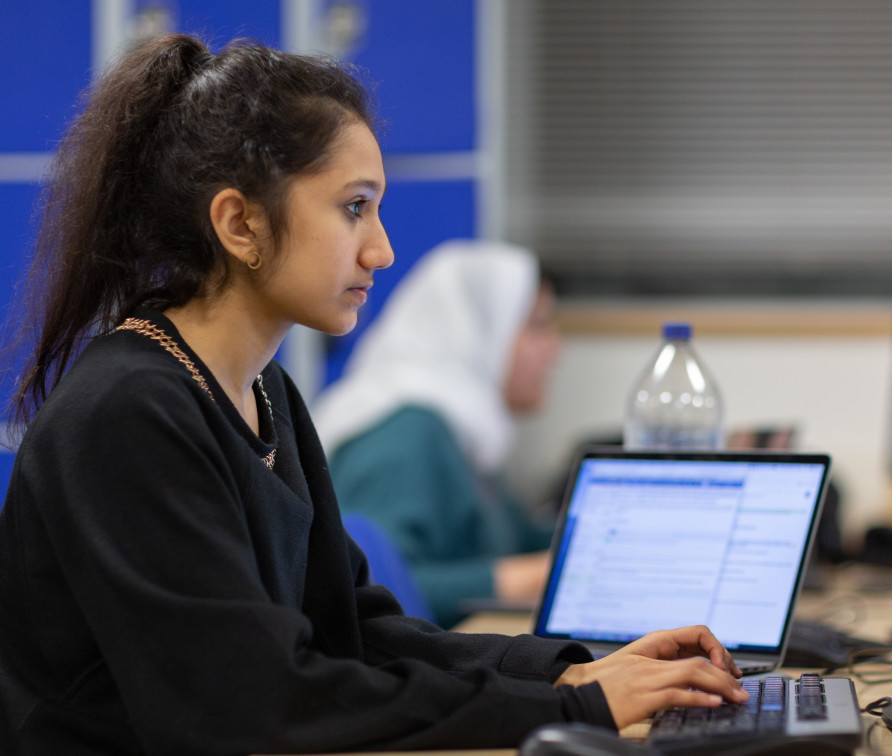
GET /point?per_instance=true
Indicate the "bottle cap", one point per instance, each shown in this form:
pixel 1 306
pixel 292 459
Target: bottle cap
pixel 677 331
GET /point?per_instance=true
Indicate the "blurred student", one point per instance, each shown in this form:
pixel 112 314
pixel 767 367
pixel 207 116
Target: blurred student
pixel 418 428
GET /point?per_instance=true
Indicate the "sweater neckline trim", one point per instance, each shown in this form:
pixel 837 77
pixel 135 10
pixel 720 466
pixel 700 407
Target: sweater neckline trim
pixel 142 324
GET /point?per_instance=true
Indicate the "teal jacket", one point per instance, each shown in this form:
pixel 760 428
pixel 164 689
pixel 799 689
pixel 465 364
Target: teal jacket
pixel 409 474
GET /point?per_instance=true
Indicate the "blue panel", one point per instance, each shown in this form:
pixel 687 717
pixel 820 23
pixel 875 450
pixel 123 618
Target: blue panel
pixel 16 202
pixel 220 21
pixel 418 216
pixel 421 54
pixel 6 460
pixel 45 59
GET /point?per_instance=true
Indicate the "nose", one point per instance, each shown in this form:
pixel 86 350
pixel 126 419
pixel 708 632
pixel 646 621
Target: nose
pixel 377 254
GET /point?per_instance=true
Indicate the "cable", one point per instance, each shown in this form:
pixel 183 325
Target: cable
pixel 876 707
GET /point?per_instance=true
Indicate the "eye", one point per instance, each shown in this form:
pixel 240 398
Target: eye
pixel 354 207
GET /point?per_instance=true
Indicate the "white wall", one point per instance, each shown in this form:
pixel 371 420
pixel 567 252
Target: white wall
pixel 835 389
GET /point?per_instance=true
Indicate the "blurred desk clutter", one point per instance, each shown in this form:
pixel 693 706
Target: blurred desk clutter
pixel 856 599
pixel 822 368
pixel 840 607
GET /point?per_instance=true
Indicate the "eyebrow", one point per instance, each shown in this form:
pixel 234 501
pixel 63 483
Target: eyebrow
pixel 370 184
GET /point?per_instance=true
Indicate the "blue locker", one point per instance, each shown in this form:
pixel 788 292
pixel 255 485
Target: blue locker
pixel 421 55
pixel 217 22
pixel 6 460
pixel 16 203
pixel 45 56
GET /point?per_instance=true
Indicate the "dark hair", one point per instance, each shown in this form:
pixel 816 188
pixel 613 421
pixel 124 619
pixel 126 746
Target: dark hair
pixel 125 213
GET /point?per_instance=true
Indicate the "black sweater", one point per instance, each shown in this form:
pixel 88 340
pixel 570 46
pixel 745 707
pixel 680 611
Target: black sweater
pixel 162 591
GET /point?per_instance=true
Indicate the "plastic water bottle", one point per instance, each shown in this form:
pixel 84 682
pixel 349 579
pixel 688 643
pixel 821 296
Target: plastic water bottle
pixel 675 403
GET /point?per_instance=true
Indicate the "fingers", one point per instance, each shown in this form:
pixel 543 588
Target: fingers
pixel 717 653
pixel 641 686
pixel 683 642
pixel 710 678
pixel 676 697
pixel 730 665
pixel 665 645
pixel 698 675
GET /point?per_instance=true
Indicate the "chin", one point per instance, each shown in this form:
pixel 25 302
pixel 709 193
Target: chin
pixel 528 406
pixel 340 330
pixel 337 322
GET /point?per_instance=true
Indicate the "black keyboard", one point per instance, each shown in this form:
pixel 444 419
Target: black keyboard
pixel 810 708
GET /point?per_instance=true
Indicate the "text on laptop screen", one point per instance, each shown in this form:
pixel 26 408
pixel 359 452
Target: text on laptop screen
pixel 654 544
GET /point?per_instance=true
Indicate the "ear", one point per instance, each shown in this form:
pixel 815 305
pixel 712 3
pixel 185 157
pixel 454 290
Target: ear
pixel 240 225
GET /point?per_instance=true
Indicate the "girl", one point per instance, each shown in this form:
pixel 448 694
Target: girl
pixel 174 575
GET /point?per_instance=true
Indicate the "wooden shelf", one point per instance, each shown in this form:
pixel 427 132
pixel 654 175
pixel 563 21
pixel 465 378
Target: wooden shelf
pixel 873 320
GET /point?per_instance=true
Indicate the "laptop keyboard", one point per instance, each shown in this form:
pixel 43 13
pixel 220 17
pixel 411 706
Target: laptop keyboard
pixel 812 707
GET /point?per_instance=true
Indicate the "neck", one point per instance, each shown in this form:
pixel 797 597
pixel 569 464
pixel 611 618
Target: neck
pixel 231 342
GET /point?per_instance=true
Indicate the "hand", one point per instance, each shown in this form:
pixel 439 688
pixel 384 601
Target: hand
pixel 521 577
pixel 660 670
pixel 683 643
pixel 667 645
pixel 635 687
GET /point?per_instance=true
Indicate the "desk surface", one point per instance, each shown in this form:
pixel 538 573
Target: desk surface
pixel 846 604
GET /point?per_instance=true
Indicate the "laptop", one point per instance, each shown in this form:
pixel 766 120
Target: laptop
pixel 657 540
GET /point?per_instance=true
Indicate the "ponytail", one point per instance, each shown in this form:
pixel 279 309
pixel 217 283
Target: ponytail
pixel 124 215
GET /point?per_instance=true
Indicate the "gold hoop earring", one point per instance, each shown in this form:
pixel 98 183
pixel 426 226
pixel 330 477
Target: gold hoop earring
pixel 255 264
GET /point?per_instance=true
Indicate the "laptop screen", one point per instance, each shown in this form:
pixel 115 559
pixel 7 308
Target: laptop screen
pixel 650 541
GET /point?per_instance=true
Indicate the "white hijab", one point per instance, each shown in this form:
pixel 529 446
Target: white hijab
pixel 443 340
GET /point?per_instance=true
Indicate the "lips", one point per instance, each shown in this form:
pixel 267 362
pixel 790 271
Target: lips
pixel 361 291
pixel 363 287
